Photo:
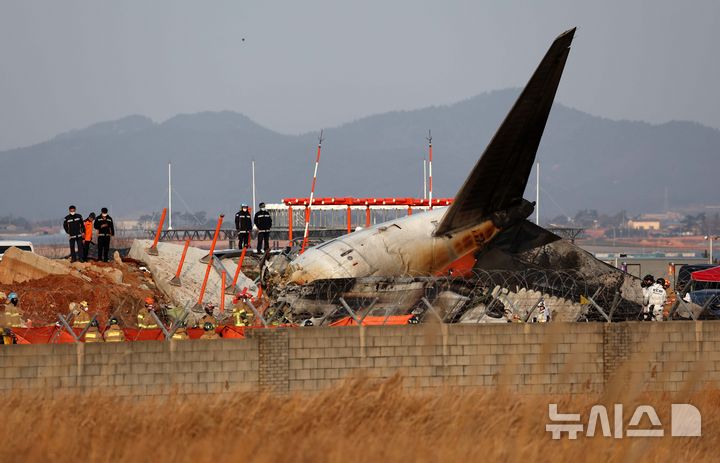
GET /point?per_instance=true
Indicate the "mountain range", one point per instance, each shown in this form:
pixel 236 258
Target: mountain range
pixel 586 161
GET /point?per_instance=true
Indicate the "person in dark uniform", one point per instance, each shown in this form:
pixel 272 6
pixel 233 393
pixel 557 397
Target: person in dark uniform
pixel 73 225
pixel 263 222
pixel 106 229
pixel 243 225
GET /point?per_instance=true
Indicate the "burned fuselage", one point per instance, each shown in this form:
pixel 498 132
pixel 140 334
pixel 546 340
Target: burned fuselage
pixel 401 247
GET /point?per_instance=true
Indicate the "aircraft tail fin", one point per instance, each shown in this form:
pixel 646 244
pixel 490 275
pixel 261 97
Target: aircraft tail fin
pixel 499 178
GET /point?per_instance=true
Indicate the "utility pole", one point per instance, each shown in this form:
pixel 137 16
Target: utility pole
pixel 253 185
pixel 710 239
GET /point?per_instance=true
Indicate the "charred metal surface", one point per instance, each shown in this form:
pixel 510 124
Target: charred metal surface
pixel 499 178
pixel 403 295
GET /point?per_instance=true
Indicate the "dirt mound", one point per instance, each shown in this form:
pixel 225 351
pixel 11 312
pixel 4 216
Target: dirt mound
pixel 109 288
pixel 18 266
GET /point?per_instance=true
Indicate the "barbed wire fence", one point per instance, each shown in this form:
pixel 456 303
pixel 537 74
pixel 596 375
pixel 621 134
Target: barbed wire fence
pixel 481 296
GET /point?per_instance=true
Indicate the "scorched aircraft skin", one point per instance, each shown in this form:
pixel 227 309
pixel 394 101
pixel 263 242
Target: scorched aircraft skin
pixel 489 202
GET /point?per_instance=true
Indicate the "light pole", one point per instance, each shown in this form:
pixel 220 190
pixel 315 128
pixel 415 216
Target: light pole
pixel 710 240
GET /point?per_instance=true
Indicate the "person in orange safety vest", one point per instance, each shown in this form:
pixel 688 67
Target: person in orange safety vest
pixel 87 234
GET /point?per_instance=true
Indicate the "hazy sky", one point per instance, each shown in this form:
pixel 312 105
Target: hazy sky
pixel 311 64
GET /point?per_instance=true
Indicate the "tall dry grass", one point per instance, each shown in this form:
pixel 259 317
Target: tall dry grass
pixel 359 420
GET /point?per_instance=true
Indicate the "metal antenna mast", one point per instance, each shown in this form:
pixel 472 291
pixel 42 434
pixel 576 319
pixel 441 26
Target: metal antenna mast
pixel 429 139
pixel 312 195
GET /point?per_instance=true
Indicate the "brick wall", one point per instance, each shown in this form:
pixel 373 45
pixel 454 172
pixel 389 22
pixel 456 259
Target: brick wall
pixel 540 358
pixel 532 358
pixel 132 368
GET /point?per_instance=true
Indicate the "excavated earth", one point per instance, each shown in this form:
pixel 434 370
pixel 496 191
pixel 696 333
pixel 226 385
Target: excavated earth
pixel 46 287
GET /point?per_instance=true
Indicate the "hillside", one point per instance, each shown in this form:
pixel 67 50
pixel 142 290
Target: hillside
pixel 587 161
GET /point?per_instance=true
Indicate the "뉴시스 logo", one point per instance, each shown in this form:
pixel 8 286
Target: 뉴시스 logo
pixel 685 421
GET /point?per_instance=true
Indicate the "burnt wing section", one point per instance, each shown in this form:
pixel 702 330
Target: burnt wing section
pixel 498 180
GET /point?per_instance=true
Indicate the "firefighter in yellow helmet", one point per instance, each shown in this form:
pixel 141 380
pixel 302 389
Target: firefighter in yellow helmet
pixel 240 316
pixel 13 315
pixel 8 337
pixel 93 333
pixel 81 318
pixel 114 333
pixel 145 320
pixel 209 331
pixel 241 312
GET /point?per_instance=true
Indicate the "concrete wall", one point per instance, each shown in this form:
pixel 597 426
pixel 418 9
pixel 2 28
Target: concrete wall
pixel 557 357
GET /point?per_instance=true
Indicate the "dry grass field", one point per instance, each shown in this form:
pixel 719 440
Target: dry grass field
pixel 359 420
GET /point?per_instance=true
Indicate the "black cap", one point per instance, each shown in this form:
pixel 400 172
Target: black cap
pixel 103 210
pixel 261 205
pixel 72 207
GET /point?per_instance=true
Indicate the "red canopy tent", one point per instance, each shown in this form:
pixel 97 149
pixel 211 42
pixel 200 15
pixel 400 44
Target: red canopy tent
pixel 710 274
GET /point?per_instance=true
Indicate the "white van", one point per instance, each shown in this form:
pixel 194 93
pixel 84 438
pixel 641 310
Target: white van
pixel 21 245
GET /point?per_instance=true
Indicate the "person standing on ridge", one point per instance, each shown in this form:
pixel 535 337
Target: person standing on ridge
pixel 243 225
pixel 73 226
pixel 106 229
pixel 87 234
pixel 263 222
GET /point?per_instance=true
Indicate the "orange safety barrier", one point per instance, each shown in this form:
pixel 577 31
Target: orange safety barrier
pixel 374 320
pixel 239 266
pixel 153 248
pixel 222 291
pixel 45 335
pixel 232 332
pixel 151 334
pixel 210 261
pixel 182 261
pixel 57 335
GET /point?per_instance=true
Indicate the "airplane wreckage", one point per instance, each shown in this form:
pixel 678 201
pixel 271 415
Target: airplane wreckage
pixel 408 265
